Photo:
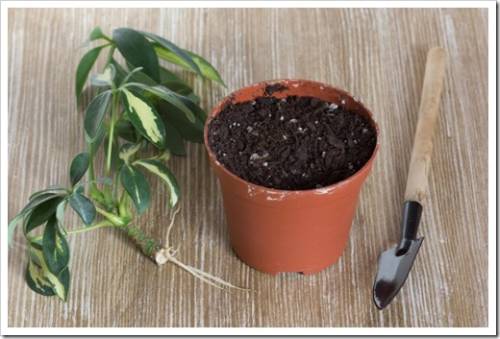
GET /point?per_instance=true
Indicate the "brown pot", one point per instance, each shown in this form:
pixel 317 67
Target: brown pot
pixel 290 231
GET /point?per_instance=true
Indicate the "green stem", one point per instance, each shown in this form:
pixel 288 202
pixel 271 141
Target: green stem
pixel 114 219
pixel 103 223
pixel 111 135
pixel 116 178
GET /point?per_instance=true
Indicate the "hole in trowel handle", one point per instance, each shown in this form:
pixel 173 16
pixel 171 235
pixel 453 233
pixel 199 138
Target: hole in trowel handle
pixel 403 247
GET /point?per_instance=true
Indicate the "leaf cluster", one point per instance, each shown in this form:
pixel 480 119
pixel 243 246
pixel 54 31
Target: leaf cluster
pixel 141 114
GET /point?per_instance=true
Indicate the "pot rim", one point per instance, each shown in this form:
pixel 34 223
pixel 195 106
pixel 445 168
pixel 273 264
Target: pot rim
pixel 218 107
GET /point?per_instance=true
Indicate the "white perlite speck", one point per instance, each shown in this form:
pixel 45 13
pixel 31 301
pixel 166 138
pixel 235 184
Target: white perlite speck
pixel 256 156
pixel 332 106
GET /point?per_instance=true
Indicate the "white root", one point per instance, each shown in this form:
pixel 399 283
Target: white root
pixel 167 254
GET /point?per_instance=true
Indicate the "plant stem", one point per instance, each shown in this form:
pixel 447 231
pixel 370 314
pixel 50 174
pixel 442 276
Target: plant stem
pixel 91 166
pixel 103 223
pixel 110 217
pixel 111 134
pixel 147 244
pixel 116 178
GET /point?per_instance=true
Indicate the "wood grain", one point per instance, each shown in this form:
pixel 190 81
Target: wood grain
pixel 378 55
pixel 428 113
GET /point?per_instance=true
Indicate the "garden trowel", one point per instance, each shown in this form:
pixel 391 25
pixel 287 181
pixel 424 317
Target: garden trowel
pixel 395 264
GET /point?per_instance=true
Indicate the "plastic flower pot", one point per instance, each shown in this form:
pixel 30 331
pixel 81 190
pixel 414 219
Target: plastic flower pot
pixel 290 231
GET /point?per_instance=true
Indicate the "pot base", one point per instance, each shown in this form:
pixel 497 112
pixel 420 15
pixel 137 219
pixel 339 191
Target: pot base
pixel 305 271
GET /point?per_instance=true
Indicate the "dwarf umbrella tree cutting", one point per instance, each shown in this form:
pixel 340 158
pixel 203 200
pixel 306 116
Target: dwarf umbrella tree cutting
pixel 142 114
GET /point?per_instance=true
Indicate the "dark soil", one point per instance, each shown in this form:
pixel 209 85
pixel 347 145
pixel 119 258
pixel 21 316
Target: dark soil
pixel 293 143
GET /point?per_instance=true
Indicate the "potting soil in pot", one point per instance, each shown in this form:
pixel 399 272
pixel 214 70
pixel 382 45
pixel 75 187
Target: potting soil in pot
pixel 293 143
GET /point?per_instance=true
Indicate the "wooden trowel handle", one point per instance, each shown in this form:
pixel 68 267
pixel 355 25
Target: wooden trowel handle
pixel 416 185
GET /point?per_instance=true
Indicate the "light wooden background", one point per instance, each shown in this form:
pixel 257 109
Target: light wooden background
pixel 376 54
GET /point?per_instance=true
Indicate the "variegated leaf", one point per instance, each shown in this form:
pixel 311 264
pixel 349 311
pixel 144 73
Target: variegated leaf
pixel 39 277
pixel 179 53
pixel 159 169
pixel 137 187
pixel 166 94
pixel 55 247
pixel 206 69
pixel 128 150
pixel 144 118
pixel 37 281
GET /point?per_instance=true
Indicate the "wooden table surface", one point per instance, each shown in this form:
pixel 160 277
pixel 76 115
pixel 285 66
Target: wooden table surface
pixel 376 54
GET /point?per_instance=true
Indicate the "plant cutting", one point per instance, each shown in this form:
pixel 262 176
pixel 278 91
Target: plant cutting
pixel 291 157
pixel 140 116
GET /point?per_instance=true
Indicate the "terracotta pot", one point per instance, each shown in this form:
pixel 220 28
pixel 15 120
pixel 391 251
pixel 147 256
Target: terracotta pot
pixel 290 231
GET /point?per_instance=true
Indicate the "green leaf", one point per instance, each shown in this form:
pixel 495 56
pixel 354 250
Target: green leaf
pixel 178 53
pixel 197 110
pixel 144 117
pixel 94 115
pixel 167 95
pixel 55 247
pixel 39 277
pixel 98 34
pixel 158 168
pixel 137 187
pixel 206 69
pixel 125 130
pixel 166 75
pixel 174 141
pixel 137 50
pixel 93 145
pixel 128 150
pixel 189 131
pixel 41 213
pixel 79 167
pixel 84 67
pixel 104 79
pixel 83 206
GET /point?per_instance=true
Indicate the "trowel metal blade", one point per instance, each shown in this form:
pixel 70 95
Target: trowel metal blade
pixel 392 272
